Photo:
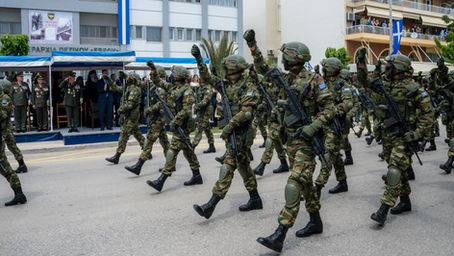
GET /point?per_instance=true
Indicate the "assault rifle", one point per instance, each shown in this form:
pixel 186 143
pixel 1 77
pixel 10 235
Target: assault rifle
pixel 367 102
pixel 197 114
pixel 298 113
pixel 267 98
pixel 227 113
pixel 122 99
pixel 396 118
pixel 170 117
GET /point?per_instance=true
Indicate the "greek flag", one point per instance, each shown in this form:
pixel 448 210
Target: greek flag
pixel 397 35
pixel 308 66
pixel 123 21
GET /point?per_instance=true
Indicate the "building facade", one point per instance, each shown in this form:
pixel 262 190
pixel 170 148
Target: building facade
pixel 157 28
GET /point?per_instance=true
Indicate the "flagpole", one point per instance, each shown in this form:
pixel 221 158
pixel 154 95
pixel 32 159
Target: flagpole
pixel 390 26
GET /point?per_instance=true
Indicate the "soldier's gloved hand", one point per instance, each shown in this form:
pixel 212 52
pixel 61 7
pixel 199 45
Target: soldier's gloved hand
pixel 105 77
pixel 122 75
pixel 121 110
pixel 378 65
pixel 226 132
pixel 195 51
pixel 249 36
pixel 361 55
pixel 310 130
pixel 412 136
pixel 441 62
pixel 151 65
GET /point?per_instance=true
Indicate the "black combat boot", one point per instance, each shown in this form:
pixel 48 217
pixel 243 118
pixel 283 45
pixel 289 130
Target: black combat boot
pixel 318 189
pixel 254 203
pixel 448 165
pixel 314 226
pixel 22 167
pixel 384 178
pixel 348 158
pixel 410 173
pixel 283 167
pixel 422 147
pixel 369 140
pixel 381 155
pixel 114 159
pixel 221 159
pixel 447 141
pixel 250 155
pixel 210 149
pixel 19 197
pixel 275 241
pixel 207 209
pixel 136 168
pixel 437 133
pixel 359 133
pixel 340 187
pixel 195 179
pixel 264 142
pixel 369 132
pixel 381 214
pixel 158 183
pixel 150 157
pixel 259 169
pixel 432 146
pixel 403 206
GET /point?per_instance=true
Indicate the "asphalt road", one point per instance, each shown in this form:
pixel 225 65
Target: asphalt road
pixel 81 205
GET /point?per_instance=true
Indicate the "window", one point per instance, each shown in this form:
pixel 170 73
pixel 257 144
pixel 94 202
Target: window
pixel 171 33
pixel 217 36
pixel 114 32
pixel 16 28
pixel 210 34
pixel 180 34
pixel 153 34
pixel 5 28
pixel 189 34
pixel 103 32
pixel 139 32
pixel 91 31
pixel 198 34
pixel 234 36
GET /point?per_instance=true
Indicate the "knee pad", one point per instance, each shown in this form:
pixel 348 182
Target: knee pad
pixel 268 143
pixel 223 172
pixel 393 177
pixel 291 195
pixel 170 155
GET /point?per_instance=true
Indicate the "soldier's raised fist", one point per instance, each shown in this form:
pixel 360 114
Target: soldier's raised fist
pixel 249 36
pixel 195 51
pixel 150 64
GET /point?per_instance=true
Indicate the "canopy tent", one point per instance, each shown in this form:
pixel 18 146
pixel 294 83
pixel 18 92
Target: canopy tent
pixel 141 62
pixel 24 63
pixel 91 60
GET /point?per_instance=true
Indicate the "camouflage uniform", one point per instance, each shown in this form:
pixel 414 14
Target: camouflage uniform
pixel 410 98
pixel 130 108
pixel 40 98
pixel 20 98
pixel 181 98
pixel 445 96
pixel 204 108
pixel 72 100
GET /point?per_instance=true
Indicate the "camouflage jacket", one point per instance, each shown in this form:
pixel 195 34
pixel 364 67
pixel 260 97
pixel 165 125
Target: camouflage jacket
pixel 40 95
pixel 131 103
pixel 181 98
pixel 21 94
pixel 204 94
pixel 5 110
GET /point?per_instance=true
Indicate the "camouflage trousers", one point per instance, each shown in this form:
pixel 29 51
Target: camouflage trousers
pixel 273 142
pixel 11 142
pixel 204 126
pixel 332 146
pixel 260 123
pixel 7 171
pixel 299 183
pixel 129 128
pixel 346 146
pixel 176 145
pixel 365 122
pixel 450 135
pixel 228 169
pixel 400 160
pixel 155 131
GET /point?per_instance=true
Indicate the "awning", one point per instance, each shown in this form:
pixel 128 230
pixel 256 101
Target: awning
pixel 411 16
pixel 431 21
pixel 141 62
pixel 24 63
pixel 383 13
pixel 91 60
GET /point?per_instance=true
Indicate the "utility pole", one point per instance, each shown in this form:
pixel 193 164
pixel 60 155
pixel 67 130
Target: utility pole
pixel 390 26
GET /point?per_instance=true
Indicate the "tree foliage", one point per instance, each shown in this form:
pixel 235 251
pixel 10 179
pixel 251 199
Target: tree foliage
pixel 218 52
pixel 14 45
pixel 447 51
pixel 340 53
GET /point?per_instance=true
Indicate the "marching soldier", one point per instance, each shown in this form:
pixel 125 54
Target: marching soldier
pixel 72 100
pixel 157 122
pixel 40 102
pixel 243 97
pixel 20 98
pixel 204 110
pixel 131 109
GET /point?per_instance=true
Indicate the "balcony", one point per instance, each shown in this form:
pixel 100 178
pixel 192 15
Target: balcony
pixel 414 5
pixel 381 35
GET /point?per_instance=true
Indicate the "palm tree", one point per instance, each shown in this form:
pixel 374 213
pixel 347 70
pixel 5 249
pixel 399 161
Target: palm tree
pixel 218 52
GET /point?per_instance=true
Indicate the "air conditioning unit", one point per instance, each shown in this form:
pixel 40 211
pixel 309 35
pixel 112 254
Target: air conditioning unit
pixel 271 52
pixel 350 16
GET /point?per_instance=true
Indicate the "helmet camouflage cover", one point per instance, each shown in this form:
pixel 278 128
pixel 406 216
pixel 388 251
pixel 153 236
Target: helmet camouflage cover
pixel 6 86
pixel 296 52
pixel 180 72
pixel 332 65
pixel 161 71
pixel 235 62
pixel 133 78
pixel 400 62
pixel 345 74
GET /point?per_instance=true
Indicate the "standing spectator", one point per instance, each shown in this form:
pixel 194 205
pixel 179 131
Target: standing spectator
pixel 105 100
pixel 40 102
pixel 72 100
pixel 116 98
pixel 20 98
pixel 195 80
pixel 91 95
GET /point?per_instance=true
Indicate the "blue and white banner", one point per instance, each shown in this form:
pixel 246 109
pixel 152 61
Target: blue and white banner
pixel 123 22
pixel 397 35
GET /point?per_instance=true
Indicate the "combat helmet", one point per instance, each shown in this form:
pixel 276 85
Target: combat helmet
pixel 179 72
pixel 161 71
pixel 332 65
pixel 133 78
pixel 6 86
pixel 235 62
pixel 345 74
pixel 400 62
pixel 295 52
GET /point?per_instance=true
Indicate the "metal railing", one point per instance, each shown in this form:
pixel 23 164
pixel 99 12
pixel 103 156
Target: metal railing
pixel 385 31
pixel 415 5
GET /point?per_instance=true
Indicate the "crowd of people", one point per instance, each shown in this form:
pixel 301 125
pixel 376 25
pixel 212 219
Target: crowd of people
pixel 302 115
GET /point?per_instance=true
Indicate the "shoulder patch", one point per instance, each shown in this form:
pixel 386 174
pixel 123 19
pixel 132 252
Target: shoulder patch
pixel 346 89
pixel 159 88
pixel 186 93
pixel 424 94
pixel 131 93
pixel 208 91
pixel 249 94
pixel 4 102
pixel 322 86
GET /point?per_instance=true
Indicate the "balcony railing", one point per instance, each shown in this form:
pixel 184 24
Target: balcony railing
pixel 385 31
pixel 416 5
